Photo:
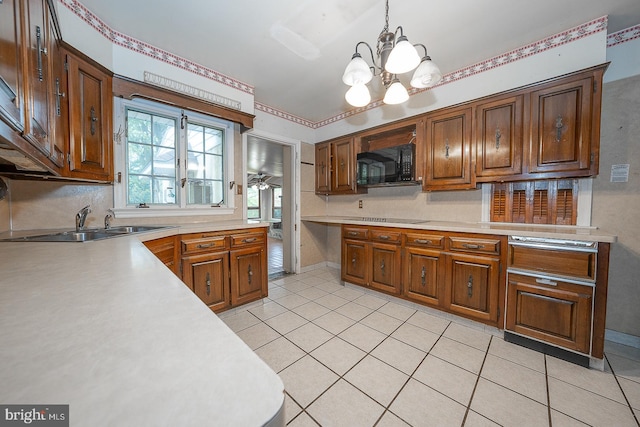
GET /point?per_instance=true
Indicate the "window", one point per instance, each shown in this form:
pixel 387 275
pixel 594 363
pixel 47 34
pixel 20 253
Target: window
pixel 175 162
pixel 253 203
pixel 277 202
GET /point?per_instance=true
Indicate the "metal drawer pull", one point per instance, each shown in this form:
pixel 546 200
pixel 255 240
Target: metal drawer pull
pixel 384 237
pixel 546 282
pixel 472 246
pixel 353 233
pixel 249 240
pixel 423 241
pixel 204 246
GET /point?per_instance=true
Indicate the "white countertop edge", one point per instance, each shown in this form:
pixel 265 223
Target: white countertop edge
pixel 592 234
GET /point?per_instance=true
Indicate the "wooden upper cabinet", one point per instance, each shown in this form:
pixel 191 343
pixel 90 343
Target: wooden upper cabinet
pixel 448 150
pixel 37 75
pixel 11 92
pixel 344 166
pixel 323 168
pixel 499 138
pixel 561 127
pixel 90 120
pixel 336 167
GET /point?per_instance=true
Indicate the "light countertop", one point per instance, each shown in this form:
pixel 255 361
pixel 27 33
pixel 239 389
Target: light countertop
pixel 105 327
pixel 591 234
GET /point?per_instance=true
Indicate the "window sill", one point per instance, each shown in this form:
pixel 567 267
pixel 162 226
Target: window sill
pixel 159 212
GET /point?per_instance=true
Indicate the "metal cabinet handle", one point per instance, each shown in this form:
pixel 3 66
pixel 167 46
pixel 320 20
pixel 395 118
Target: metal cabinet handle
pixel 559 126
pixel 353 260
pixel 546 282
pixel 249 274
pixel 423 241
pixel 205 245
pixel 498 136
pixel 382 267
pixel 470 286
pixel 472 246
pixel 41 51
pixel 384 237
pixel 423 276
pixel 94 119
pixel 446 148
pixel 353 233
pixel 249 240
pixel 208 283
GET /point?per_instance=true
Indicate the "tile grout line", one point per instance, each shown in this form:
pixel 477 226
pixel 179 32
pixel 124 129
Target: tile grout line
pixel 546 382
pixel 475 386
pixel 633 414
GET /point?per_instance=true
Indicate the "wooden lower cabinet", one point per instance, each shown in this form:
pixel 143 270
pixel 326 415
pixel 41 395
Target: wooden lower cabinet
pixel 372 258
pixel 223 268
pixel 208 275
pixel 472 285
pixel 248 274
pixel 550 310
pixel 423 272
pixel 167 250
pixel 385 267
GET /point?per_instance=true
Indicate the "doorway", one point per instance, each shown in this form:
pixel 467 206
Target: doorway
pixel 271 196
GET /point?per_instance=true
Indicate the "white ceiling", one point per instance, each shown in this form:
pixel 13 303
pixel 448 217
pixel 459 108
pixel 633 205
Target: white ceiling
pixel 239 38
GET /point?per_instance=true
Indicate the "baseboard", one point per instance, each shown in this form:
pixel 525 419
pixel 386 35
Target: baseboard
pixel 622 338
pixel 319 265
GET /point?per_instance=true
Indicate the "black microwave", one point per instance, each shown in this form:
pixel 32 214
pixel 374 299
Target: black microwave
pixel 391 165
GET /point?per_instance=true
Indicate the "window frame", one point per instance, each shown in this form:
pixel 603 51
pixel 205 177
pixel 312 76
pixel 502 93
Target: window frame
pixel 259 208
pixel 273 203
pixel 122 209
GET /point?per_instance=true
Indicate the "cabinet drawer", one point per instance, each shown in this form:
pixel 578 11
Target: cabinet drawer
pixel 238 240
pixel 424 240
pixel 386 236
pixel 355 232
pixel 575 264
pixel 206 244
pixel 468 244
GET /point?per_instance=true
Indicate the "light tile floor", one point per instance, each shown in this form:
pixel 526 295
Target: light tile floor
pixel 353 357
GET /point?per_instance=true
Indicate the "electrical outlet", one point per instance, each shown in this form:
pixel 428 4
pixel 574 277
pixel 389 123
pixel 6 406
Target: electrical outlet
pixel 360 204
pixel 239 189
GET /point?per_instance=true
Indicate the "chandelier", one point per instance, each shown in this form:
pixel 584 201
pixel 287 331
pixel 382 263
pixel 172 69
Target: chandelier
pixel 395 56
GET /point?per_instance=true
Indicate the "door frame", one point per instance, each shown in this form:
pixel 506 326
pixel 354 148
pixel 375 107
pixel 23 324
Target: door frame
pixel 293 187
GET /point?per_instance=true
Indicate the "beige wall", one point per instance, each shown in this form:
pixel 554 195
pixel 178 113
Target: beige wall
pixel 616 206
pixel 5 214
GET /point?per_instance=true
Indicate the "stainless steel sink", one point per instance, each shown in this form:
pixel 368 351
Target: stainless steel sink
pixel 85 235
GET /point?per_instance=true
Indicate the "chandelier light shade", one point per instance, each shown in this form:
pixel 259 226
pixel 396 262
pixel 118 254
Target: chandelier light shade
pixel 396 93
pixel 358 95
pixel 426 75
pixel 395 55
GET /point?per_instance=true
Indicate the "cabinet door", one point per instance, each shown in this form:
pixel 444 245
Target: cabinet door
pixel 448 157
pixel 344 165
pixel 499 138
pixel 355 256
pixel 386 267
pixel 59 110
pixel 37 75
pixel 11 95
pixel 90 116
pixel 323 168
pixel 248 275
pixel 551 311
pixel 473 286
pixel 561 127
pixel 423 275
pixel 207 275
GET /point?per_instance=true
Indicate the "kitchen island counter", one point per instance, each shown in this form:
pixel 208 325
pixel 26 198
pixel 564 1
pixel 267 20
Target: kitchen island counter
pixel 105 327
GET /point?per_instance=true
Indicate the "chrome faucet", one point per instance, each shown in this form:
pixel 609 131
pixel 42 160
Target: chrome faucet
pixel 81 217
pixel 107 219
